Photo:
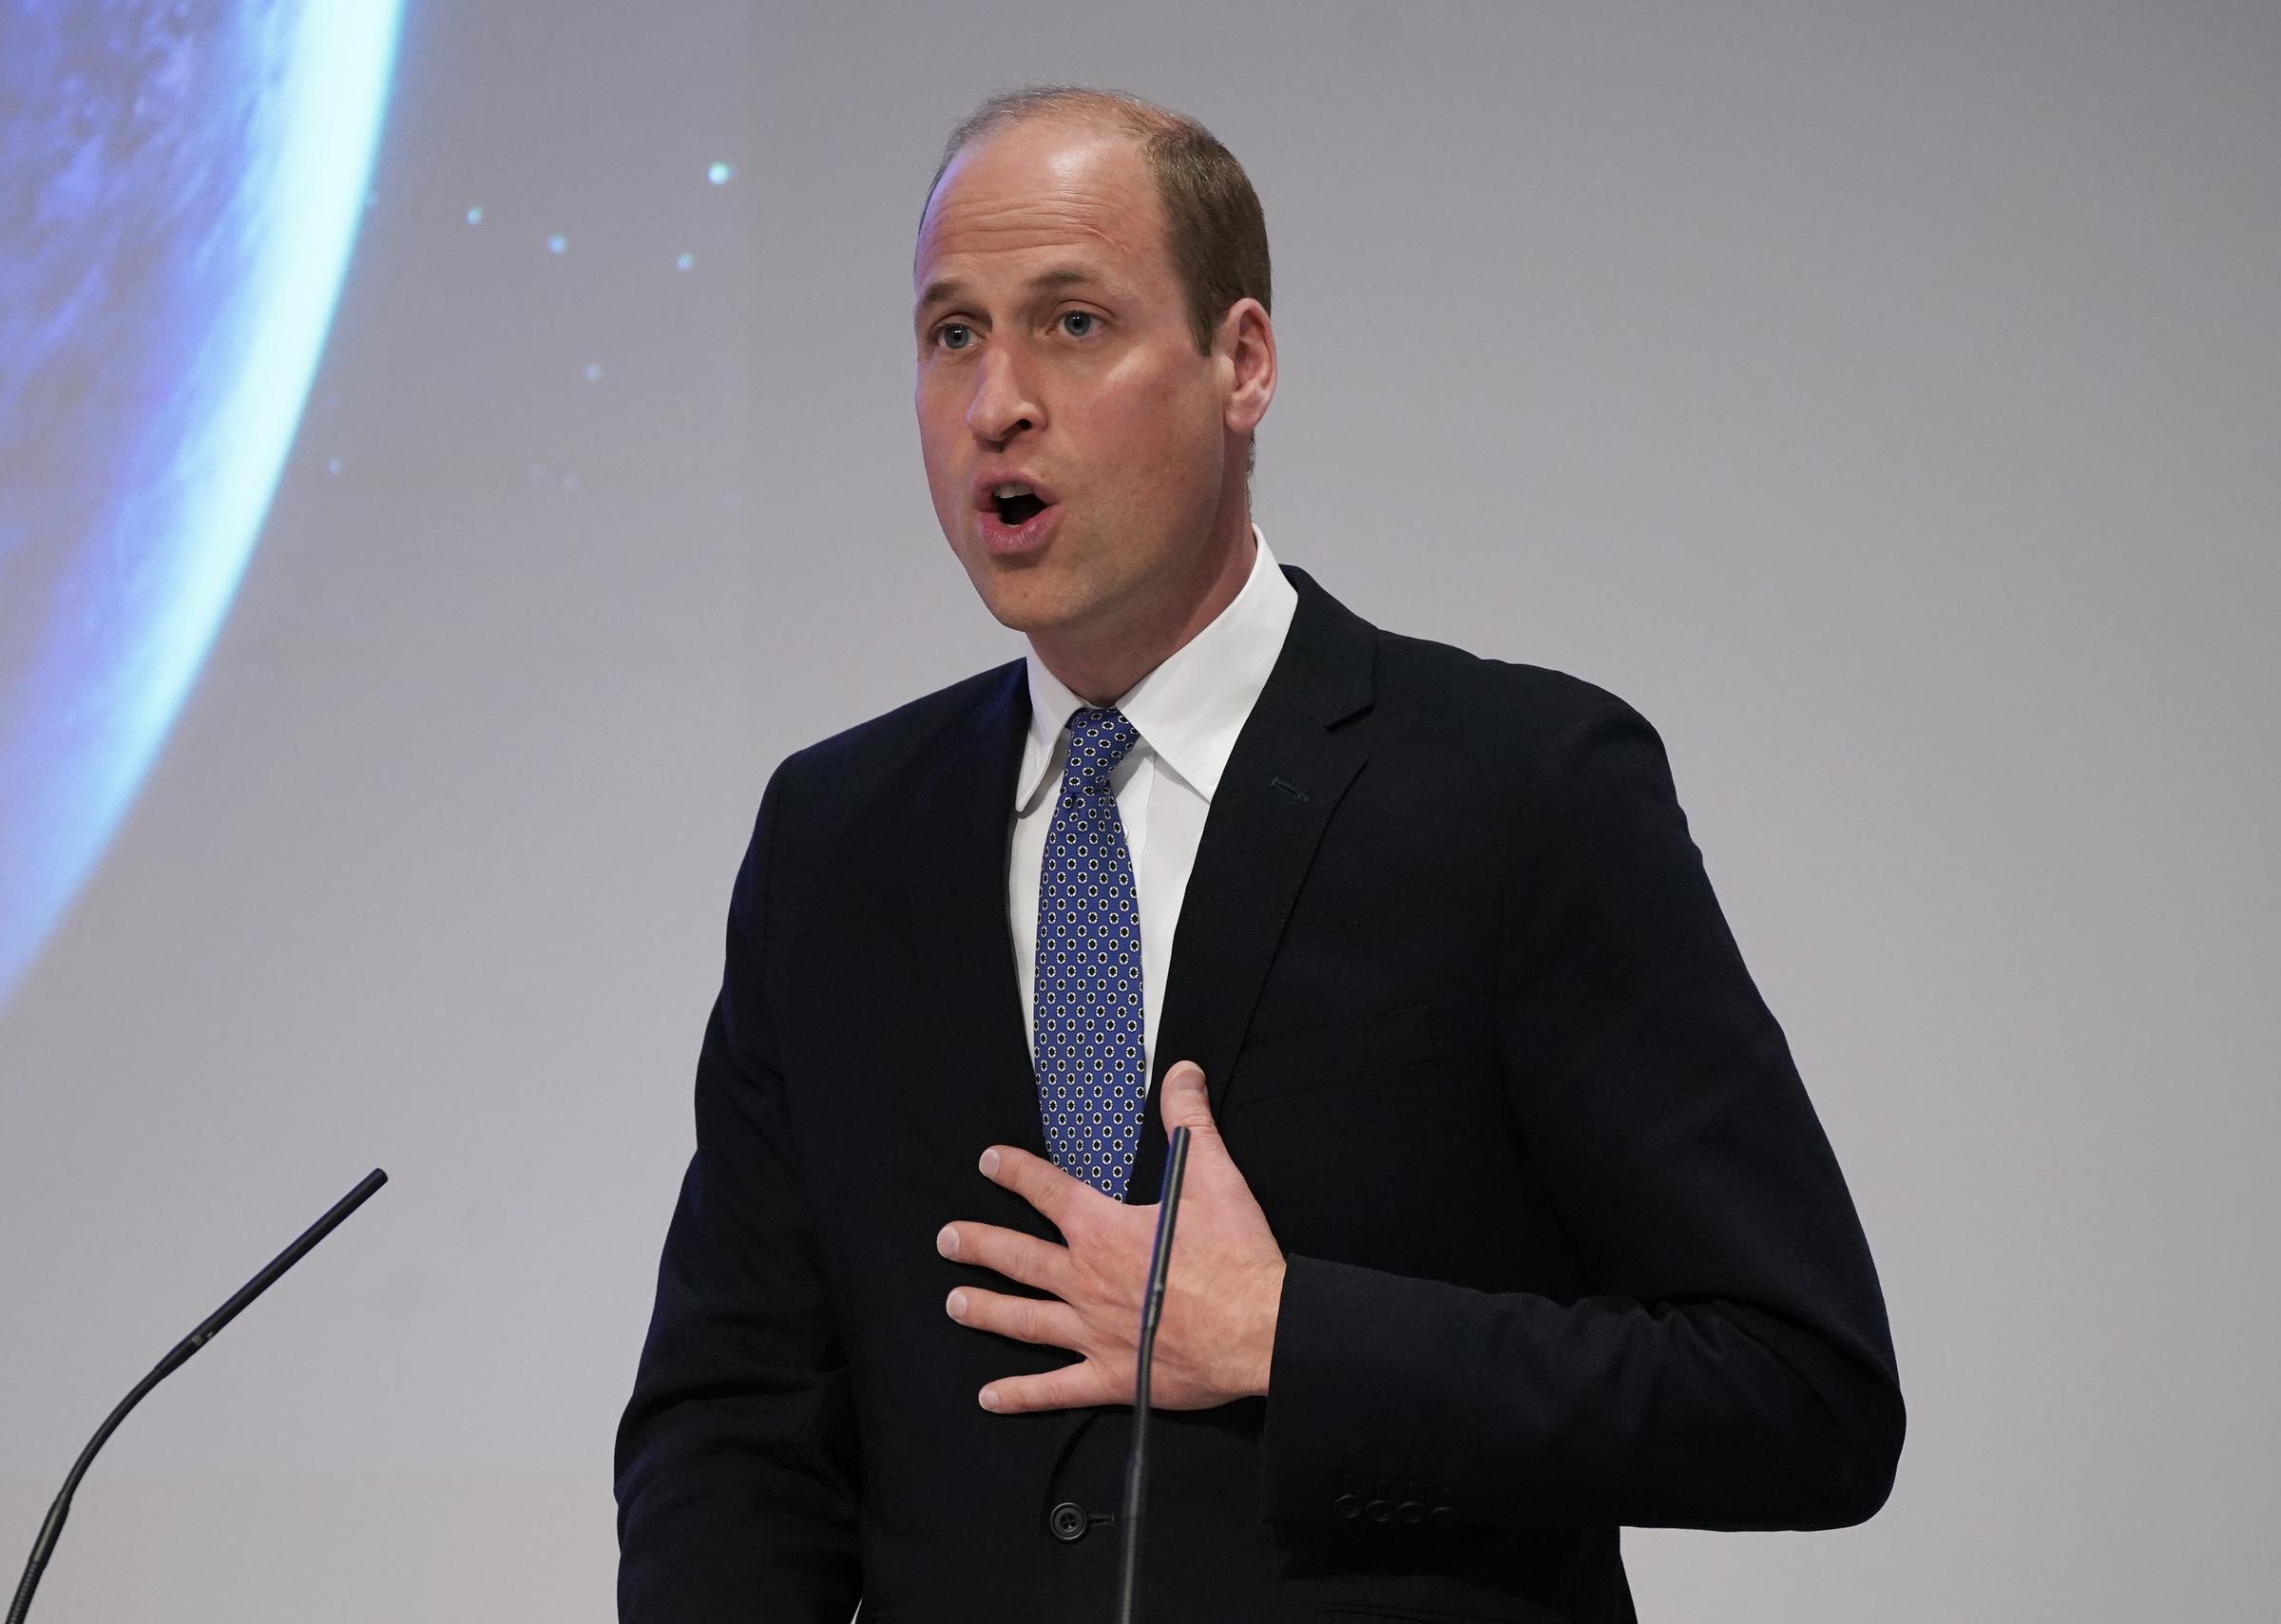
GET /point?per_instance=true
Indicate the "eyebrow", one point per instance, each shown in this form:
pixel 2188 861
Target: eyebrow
pixel 943 290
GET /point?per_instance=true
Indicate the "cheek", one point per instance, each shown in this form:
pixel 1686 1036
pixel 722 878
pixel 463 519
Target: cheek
pixel 1167 454
pixel 1161 426
pixel 928 408
pixel 938 441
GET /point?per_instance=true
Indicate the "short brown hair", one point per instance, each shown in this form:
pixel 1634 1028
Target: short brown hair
pixel 1213 224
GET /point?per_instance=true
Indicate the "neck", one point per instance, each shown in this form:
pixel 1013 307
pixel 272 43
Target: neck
pixel 1101 670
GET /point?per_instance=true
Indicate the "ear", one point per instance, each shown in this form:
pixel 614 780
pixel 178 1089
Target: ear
pixel 1245 346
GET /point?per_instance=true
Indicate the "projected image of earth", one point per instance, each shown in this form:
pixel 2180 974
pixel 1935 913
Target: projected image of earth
pixel 179 189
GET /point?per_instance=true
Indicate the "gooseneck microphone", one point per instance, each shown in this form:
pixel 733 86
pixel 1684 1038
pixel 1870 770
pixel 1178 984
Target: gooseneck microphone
pixel 50 1530
pixel 1152 1309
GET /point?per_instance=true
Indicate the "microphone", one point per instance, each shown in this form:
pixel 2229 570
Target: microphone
pixel 1152 1309
pixel 52 1529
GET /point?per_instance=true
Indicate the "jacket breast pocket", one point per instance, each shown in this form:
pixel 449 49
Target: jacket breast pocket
pixel 1331 1057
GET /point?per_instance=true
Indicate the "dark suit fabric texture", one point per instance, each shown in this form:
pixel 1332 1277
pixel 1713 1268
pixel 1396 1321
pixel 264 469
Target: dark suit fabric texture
pixel 1567 1247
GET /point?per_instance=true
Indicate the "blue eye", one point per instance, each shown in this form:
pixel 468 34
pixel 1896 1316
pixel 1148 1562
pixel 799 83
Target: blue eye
pixel 1084 316
pixel 941 335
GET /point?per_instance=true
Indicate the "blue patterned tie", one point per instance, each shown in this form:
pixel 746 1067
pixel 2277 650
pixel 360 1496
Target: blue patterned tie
pixel 1091 1080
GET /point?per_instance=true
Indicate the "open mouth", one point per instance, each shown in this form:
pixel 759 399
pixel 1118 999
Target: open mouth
pixel 1015 511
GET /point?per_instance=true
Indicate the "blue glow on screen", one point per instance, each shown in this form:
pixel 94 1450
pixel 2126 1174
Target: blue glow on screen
pixel 177 214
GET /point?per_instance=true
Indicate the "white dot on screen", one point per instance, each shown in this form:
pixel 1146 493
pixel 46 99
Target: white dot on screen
pixel 475 215
pixel 593 371
pixel 720 174
pixel 684 262
pixel 332 464
pixel 557 245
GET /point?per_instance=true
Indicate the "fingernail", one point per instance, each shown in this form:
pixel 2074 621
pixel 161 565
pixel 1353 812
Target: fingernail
pixel 957 1305
pixel 989 1398
pixel 946 1243
pixel 989 1163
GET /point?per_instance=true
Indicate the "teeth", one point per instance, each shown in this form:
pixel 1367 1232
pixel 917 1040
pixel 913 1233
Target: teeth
pixel 1011 488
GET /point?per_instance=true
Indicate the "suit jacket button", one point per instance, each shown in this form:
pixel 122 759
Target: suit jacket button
pixel 1068 1521
pixel 1348 1505
pixel 1411 1511
pixel 1441 1515
pixel 1379 1511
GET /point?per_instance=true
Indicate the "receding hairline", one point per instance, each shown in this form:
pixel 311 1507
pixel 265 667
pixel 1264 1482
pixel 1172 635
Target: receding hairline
pixel 1078 106
pixel 1151 186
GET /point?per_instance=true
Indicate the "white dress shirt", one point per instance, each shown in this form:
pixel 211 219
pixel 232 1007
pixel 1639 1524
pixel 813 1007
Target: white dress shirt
pixel 1188 712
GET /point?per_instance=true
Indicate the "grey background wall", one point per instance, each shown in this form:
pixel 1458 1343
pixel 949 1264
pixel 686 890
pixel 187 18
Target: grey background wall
pixel 1883 400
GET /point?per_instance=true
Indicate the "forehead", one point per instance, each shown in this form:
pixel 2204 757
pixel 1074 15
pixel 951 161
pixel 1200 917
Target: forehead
pixel 1043 190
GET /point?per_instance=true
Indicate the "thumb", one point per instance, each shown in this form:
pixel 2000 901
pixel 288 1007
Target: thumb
pixel 1186 1103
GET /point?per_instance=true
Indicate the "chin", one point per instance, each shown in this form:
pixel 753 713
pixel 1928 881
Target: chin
pixel 1020 605
pixel 1021 596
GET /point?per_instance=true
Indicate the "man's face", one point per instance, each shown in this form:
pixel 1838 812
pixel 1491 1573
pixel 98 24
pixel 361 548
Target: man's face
pixel 1054 352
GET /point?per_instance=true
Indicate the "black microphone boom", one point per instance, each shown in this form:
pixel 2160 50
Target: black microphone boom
pixel 52 1529
pixel 1152 1309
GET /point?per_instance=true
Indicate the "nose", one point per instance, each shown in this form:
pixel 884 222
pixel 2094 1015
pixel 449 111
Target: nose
pixel 1003 402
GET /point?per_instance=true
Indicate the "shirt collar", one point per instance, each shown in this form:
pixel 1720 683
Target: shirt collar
pixel 1191 707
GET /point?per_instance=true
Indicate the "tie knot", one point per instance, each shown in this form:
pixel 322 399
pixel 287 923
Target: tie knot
pixel 1098 740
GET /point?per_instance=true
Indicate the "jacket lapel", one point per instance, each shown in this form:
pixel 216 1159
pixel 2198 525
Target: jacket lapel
pixel 1291 766
pixel 961 815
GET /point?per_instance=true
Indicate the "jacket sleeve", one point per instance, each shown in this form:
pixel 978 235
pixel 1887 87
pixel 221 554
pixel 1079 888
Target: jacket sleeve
pixel 736 1468
pixel 1730 1366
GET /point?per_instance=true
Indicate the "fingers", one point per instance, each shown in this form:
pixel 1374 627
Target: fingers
pixel 1009 1252
pixel 1036 1181
pixel 1025 1318
pixel 1070 1388
pixel 1187 1104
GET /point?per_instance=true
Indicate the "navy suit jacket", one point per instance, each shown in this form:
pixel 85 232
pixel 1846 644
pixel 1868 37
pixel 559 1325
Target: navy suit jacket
pixel 1568 1248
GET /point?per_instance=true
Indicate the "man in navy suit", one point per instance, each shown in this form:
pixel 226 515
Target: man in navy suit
pixel 1508 1220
